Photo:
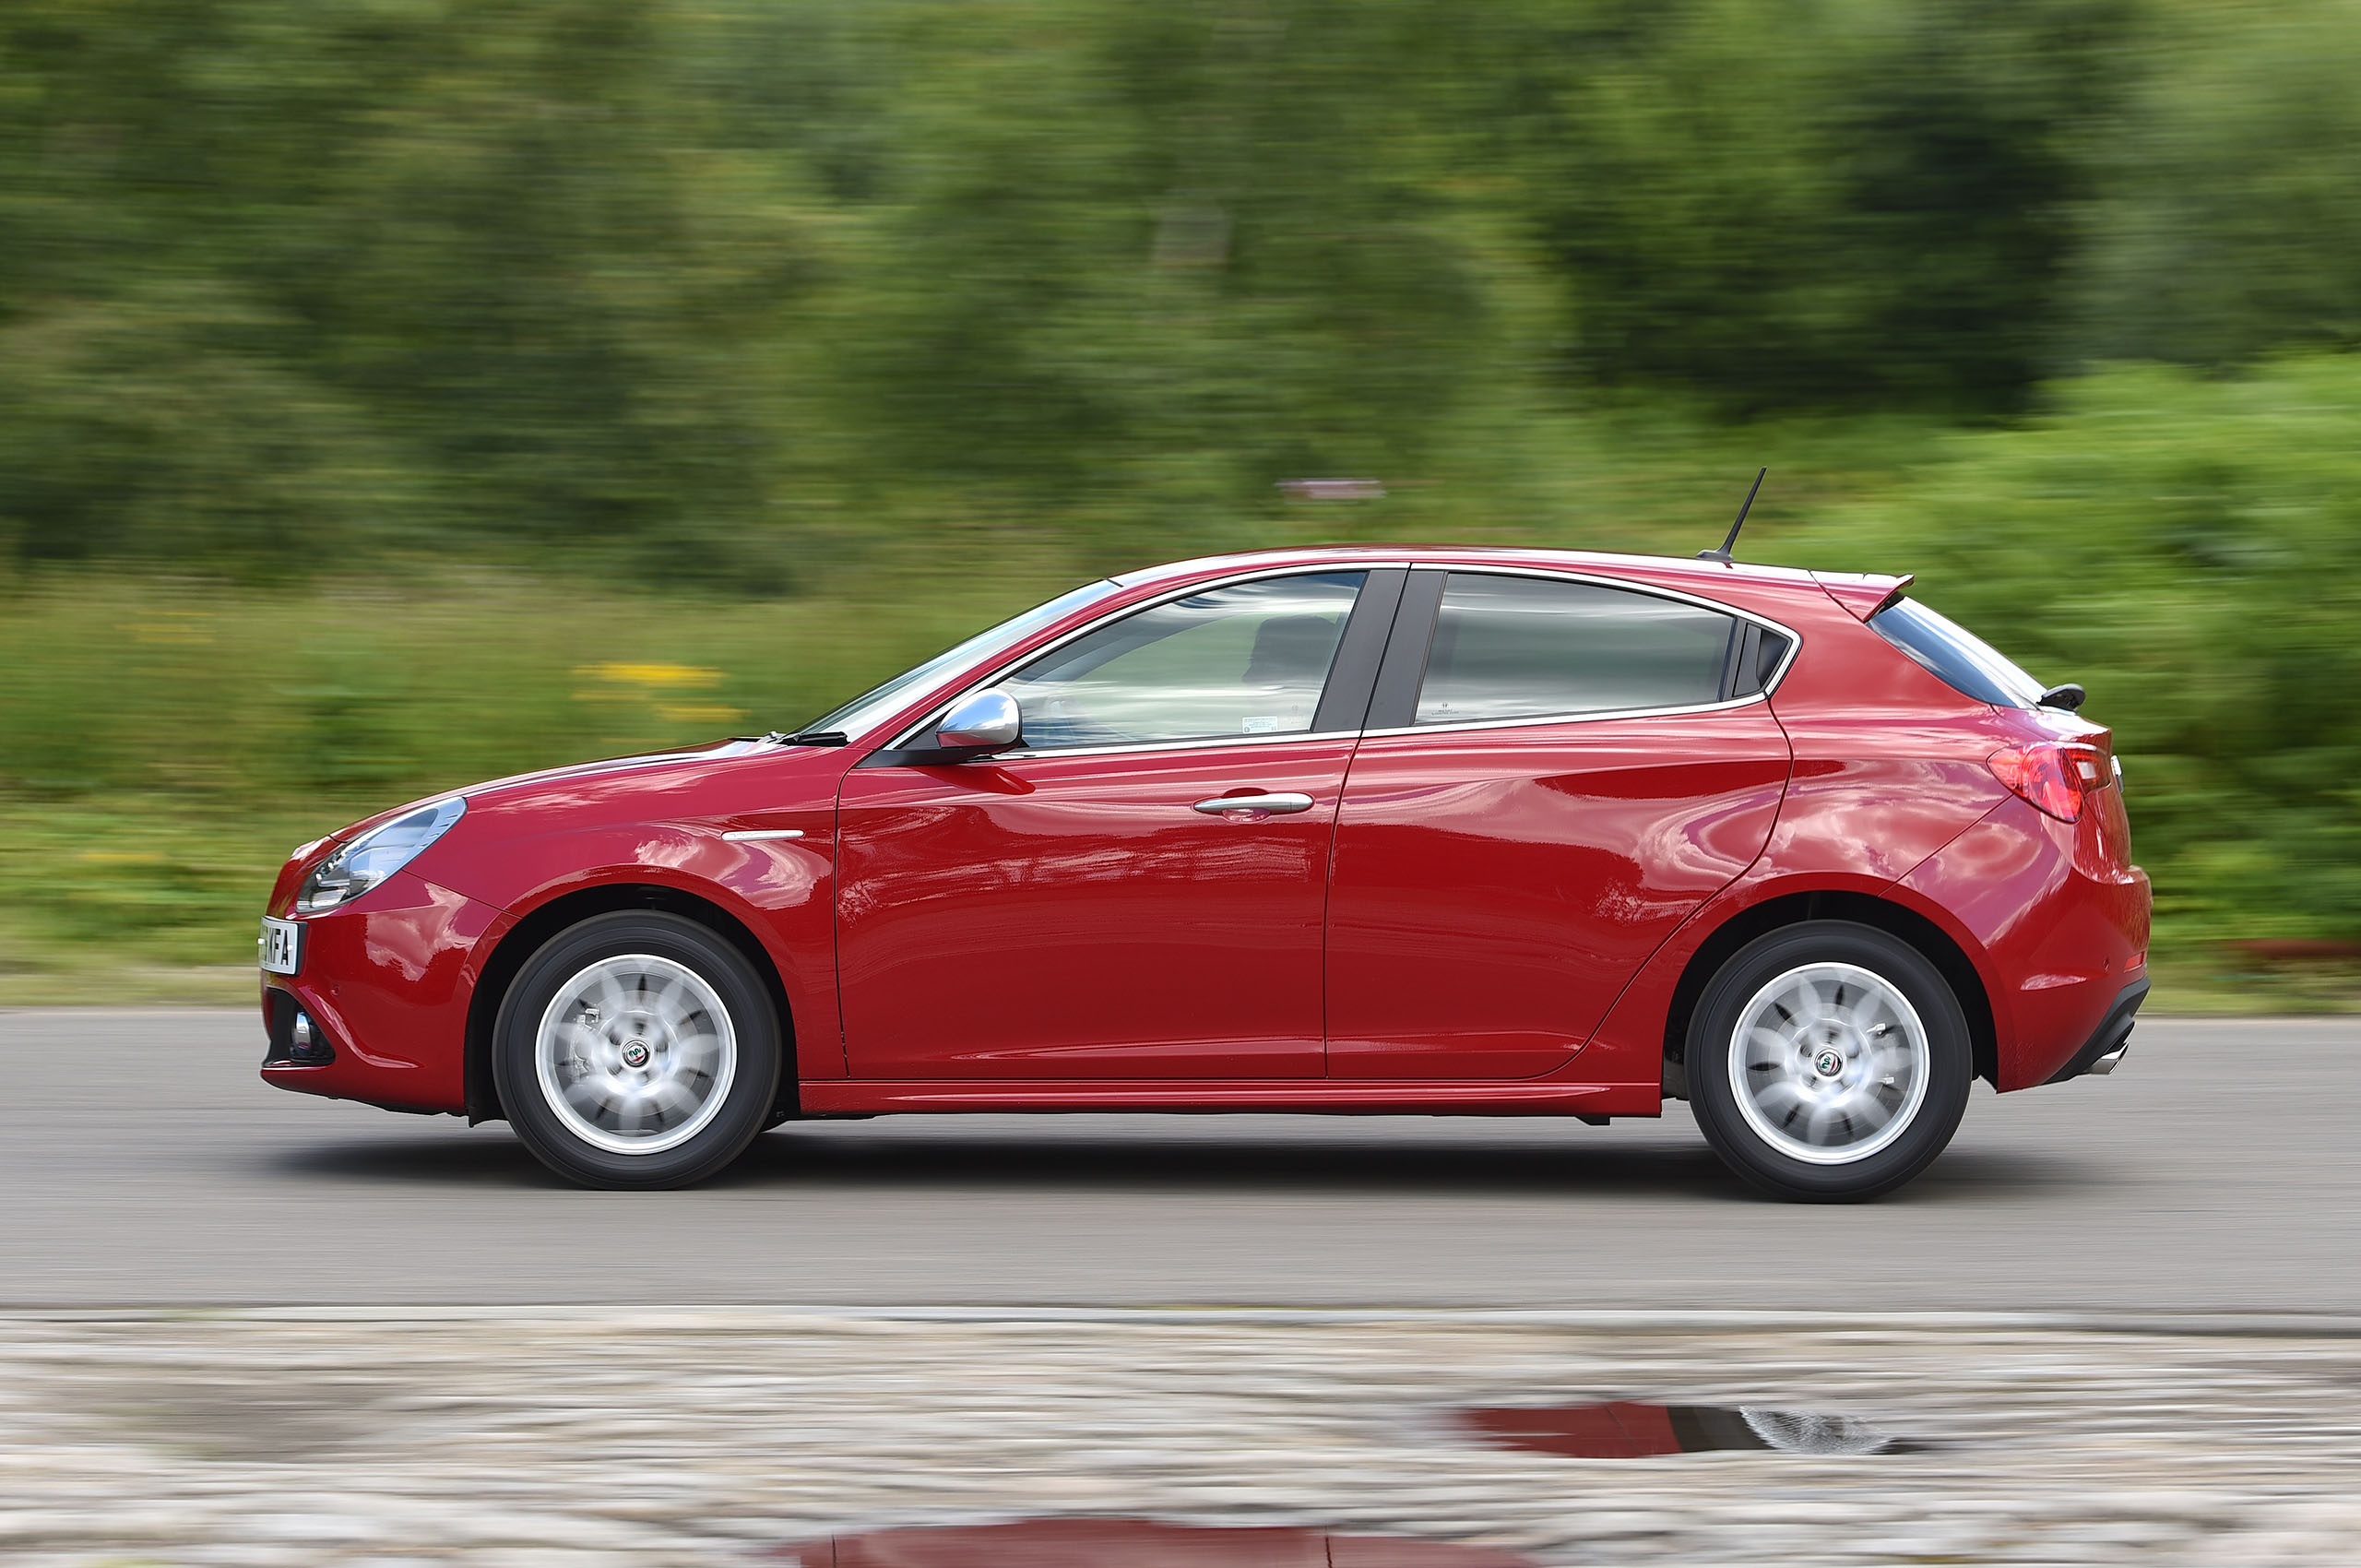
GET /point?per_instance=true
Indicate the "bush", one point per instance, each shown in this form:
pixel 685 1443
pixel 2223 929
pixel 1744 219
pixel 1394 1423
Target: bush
pixel 2191 551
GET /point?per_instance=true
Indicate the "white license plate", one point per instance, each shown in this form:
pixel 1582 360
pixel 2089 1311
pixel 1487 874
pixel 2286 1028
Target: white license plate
pixel 282 946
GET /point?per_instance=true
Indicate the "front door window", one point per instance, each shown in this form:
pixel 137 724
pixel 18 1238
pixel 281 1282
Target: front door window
pixel 1246 659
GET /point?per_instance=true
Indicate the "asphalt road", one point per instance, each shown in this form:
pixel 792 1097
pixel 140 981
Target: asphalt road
pixel 144 1163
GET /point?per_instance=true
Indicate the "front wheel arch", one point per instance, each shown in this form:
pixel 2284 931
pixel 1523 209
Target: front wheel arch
pixel 1931 941
pixel 526 937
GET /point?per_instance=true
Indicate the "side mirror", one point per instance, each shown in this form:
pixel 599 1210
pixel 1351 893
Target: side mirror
pixel 982 724
pixel 2069 697
pixel 977 727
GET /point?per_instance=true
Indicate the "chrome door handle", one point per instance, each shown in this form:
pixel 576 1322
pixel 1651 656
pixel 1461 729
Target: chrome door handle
pixel 1277 805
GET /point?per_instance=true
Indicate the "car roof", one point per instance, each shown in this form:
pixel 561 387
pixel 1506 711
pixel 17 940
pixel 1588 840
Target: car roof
pixel 1670 571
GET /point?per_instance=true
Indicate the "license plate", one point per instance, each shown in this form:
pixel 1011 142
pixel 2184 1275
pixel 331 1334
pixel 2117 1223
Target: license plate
pixel 282 946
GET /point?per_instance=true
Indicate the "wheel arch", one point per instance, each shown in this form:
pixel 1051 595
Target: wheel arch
pixel 521 941
pixel 1930 940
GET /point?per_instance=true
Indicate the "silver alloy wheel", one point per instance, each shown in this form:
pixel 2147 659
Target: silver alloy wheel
pixel 635 1054
pixel 1829 1063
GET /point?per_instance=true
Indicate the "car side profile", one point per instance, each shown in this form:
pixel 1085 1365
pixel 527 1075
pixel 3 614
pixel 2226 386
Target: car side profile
pixel 1354 829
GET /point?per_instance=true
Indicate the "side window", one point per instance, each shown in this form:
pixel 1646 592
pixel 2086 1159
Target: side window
pixel 1247 660
pixel 1516 647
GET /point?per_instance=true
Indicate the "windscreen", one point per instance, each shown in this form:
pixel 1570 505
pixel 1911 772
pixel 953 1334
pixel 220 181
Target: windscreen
pixel 1955 656
pixel 875 707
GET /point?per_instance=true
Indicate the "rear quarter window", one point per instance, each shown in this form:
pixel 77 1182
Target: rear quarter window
pixel 1955 656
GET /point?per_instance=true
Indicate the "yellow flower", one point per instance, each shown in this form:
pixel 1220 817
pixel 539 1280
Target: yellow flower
pixel 671 677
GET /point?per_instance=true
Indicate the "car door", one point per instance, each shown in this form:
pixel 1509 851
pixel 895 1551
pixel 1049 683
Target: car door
pixel 1556 773
pixel 1136 891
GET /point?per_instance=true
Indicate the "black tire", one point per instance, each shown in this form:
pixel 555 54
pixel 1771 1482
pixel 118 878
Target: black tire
pixel 738 1098
pixel 1760 1144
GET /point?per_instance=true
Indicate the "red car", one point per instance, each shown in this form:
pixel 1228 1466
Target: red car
pixel 1130 1543
pixel 1447 830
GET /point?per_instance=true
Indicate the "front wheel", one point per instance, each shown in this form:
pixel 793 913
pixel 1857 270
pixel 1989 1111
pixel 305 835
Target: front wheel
pixel 637 1050
pixel 1827 1061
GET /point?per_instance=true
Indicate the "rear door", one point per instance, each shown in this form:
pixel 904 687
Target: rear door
pixel 1557 772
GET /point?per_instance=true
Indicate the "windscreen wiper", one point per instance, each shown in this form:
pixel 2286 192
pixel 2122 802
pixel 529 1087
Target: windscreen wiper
pixel 809 738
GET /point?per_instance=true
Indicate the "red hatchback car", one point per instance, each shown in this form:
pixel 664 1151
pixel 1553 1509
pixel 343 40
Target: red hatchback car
pixel 1447 830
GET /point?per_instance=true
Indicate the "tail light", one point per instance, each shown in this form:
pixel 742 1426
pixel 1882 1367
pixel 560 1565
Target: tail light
pixel 2055 775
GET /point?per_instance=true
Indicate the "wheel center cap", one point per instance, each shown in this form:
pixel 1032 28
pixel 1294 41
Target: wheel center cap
pixel 1829 1063
pixel 634 1054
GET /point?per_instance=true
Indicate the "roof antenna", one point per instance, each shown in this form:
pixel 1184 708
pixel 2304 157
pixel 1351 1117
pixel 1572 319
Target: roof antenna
pixel 1723 554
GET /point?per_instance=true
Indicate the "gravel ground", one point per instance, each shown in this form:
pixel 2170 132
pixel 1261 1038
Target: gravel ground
pixel 679 1436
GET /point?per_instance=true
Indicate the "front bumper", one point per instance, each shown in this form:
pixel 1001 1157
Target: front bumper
pixel 385 985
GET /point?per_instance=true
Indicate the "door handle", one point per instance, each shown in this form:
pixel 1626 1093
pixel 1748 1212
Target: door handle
pixel 1277 805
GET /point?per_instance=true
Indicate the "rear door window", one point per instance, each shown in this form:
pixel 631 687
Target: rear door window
pixel 1520 647
pixel 1955 656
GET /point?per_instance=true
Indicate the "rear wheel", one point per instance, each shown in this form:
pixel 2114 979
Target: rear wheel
pixel 1827 1061
pixel 637 1050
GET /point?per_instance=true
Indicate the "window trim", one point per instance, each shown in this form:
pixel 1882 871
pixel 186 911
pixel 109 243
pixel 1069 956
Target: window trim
pixel 1371 571
pixel 1425 638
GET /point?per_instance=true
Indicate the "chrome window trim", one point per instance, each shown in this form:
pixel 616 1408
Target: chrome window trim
pixel 1592 716
pixel 1794 638
pixel 1207 744
pixel 1205 586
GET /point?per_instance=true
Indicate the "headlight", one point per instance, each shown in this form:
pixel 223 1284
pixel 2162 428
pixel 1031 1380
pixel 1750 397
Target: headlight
pixel 375 856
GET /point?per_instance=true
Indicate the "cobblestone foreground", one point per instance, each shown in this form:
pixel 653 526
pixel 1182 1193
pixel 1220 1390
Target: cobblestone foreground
pixel 710 1436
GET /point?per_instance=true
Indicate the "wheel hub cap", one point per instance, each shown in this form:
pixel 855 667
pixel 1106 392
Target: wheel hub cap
pixel 1829 1063
pixel 635 1054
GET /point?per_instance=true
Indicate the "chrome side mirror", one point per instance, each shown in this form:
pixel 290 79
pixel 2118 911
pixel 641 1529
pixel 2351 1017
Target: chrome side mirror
pixel 982 724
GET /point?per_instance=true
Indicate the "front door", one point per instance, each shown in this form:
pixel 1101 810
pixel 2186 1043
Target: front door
pixel 1568 769
pixel 1138 890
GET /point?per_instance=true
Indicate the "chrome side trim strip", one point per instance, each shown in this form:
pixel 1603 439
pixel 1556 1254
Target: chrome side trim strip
pixel 760 835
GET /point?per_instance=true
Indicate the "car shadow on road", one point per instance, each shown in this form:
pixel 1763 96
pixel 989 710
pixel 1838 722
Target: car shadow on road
pixel 486 1156
pixel 841 1159
pixel 1405 1167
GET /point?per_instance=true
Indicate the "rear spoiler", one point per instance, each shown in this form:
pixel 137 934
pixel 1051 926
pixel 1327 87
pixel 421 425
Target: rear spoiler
pixel 1863 593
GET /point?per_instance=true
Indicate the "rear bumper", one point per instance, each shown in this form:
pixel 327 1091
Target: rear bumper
pixel 2057 928
pixel 2100 1054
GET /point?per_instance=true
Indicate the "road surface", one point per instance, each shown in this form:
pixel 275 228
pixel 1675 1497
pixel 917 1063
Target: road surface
pixel 145 1164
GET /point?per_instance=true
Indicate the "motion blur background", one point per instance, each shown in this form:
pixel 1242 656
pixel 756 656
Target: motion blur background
pixel 396 393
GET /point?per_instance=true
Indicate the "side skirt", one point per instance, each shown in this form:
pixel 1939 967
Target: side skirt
pixel 1309 1095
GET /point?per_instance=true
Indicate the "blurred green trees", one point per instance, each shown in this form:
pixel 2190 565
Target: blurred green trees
pixel 639 279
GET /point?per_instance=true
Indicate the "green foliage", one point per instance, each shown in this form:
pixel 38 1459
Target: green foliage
pixel 2189 550
pixel 2231 212
pixel 1839 203
pixel 148 427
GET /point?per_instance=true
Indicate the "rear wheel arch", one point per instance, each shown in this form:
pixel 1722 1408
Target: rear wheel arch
pixel 1863 908
pixel 528 935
